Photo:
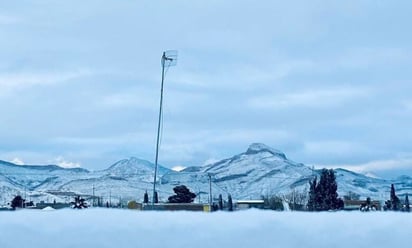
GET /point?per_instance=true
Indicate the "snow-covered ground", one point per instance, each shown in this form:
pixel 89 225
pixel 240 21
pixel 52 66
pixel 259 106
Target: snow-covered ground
pixel 253 228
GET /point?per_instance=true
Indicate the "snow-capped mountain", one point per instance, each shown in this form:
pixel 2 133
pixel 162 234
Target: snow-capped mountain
pixel 125 178
pixel 134 168
pixel 259 171
pixel 365 186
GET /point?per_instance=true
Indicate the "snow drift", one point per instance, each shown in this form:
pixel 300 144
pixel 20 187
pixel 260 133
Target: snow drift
pixel 252 228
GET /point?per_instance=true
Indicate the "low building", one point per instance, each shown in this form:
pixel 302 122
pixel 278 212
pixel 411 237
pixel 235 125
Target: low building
pixel 134 205
pixel 246 204
pixel 356 204
pixel 57 205
pixel 177 207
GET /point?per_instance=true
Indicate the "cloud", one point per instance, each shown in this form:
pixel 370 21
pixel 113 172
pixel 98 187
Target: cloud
pixel 320 98
pixel 407 105
pixel 376 166
pixel 17 161
pixel 23 157
pixel 244 76
pixel 322 82
pixel 114 140
pixel 10 82
pixel 175 100
pixel 180 151
pixel 210 161
pixel 60 161
pixel 129 99
pixel 365 57
pixel 179 145
pixel 8 19
pixel 178 168
pixel 194 147
pixel 333 147
pixel 212 137
pixel 39 158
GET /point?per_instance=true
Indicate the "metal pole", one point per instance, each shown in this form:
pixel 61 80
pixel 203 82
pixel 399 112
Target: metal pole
pixel 158 126
pixel 210 189
pixel 93 197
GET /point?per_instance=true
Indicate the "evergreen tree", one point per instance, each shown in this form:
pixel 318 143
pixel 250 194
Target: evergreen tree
pixel 182 195
pixel 220 202
pixel 395 202
pixel 407 207
pixel 17 202
pixel 146 198
pixel 215 207
pixel 332 191
pixel 323 195
pixel 312 195
pixel 340 204
pixel 230 203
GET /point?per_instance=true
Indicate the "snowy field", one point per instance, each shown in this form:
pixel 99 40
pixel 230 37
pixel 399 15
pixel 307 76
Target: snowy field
pixel 252 228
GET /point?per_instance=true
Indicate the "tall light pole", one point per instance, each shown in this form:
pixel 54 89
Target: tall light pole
pixel 210 189
pixel 169 58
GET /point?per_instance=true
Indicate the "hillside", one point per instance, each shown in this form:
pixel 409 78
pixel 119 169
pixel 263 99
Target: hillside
pixel 259 171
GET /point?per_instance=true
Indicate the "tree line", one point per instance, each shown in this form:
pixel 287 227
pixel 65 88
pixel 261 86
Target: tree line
pixel 322 196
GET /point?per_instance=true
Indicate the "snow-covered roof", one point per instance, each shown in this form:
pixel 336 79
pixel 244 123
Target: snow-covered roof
pixel 48 208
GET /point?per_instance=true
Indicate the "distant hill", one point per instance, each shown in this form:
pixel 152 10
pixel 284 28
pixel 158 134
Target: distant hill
pixel 259 171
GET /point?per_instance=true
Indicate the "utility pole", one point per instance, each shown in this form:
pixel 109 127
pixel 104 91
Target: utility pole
pixel 93 197
pixel 210 188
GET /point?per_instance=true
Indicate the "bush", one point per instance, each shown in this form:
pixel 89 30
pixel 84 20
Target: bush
pixel 17 202
pixel 79 203
pixel 182 195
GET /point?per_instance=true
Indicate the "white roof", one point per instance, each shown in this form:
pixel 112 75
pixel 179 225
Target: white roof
pixel 48 208
pixel 250 201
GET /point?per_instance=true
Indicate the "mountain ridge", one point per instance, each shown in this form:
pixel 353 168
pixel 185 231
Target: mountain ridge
pixel 258 171
pixel 40 167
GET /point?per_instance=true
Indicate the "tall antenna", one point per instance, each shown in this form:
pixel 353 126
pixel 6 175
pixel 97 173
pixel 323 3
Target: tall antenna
pixel 169 58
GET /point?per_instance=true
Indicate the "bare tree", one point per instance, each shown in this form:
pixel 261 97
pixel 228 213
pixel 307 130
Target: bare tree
pixel 273 202
pixel 296 199
pixel 351 196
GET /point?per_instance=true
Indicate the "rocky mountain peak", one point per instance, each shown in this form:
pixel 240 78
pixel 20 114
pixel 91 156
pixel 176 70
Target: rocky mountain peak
pixel 131 162
pixel 134 166
pixel 259 148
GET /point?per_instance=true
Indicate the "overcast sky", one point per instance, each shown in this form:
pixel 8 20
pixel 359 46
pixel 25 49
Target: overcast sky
pixel 327 82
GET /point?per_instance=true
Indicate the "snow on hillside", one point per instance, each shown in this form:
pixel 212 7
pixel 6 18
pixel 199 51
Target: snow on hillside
pixel 259 171
pixel 127 179
pixel 253 228
pixel 135 168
